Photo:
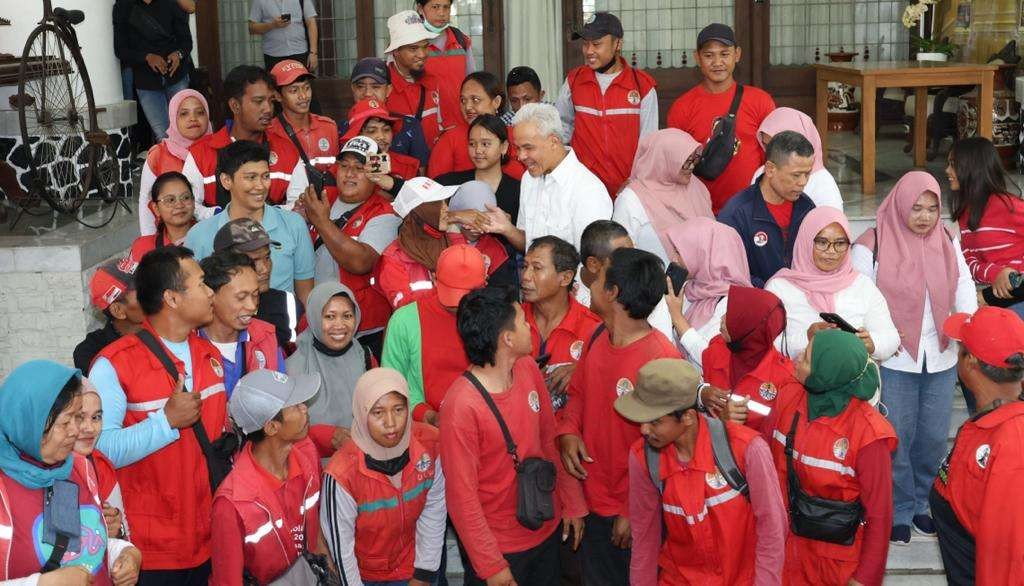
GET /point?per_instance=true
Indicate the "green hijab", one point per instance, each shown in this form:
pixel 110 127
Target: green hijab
pixel 840 370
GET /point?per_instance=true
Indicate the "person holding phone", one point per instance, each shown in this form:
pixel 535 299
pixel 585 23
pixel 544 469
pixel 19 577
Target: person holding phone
pixel 288 30
pixel 921 271
pixel 386 168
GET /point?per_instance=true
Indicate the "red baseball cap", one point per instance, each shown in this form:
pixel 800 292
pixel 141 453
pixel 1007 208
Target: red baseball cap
pixel 992 334
pixel 111 281
pixel 362 111
pixel 288 72
pixel 460 269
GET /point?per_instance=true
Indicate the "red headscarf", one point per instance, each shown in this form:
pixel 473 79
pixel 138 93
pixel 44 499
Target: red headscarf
pixel 906 260
pixel 754 318
pixel 819 286
pixel 714 255
pixel 781 119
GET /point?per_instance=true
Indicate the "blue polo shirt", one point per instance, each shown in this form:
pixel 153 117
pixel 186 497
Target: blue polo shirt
pixel 293 260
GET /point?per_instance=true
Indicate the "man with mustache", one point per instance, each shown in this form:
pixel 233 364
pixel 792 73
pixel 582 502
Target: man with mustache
pixel 415 91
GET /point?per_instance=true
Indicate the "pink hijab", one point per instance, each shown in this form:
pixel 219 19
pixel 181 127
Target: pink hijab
pixel 782 119
pixel 655 179
pixel 819 286
pixel 716 259
pixel 175 142
pixel 902 259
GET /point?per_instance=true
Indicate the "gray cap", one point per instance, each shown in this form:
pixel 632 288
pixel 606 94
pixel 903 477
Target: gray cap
pixel 262 394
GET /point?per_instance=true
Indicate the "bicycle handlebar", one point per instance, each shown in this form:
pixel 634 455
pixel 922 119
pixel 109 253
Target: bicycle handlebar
pixel 72 17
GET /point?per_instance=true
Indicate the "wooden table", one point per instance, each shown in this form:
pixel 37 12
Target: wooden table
pixel 919 75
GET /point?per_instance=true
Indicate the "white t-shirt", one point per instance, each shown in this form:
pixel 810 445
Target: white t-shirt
pixel 632 214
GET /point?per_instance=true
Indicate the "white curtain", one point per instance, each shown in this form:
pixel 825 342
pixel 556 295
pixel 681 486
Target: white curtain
pixel 533 37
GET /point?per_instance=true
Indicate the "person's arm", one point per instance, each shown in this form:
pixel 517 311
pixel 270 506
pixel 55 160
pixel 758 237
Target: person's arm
pixel 878 323
pixel 770 521
pixel 862 260
pixel 566 111
pixel 303 287
pixel 189 6
pixel 226 554
pixel 430 529
pixel 645 525
pixel 649 113
pixel 338 523
pixel 570 419
pixel 256 24
pixel 568 489
pixel 350 254
pixel 966 292
pixel 1000 528
pixel 405 357
pixel 126 445
pixel 312 35
pixel 874 473
pixel 126 51
pixel 695 341
pixel 982 270
pixel 147 223
pixel 296 186
pixel 196 181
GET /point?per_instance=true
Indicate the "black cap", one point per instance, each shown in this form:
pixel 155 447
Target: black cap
pixel 716 31
pixel 373 68
pixel 599 25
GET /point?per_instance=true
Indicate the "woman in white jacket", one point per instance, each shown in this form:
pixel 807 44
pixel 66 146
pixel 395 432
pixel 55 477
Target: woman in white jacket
pixel 922 273
pixel 823 280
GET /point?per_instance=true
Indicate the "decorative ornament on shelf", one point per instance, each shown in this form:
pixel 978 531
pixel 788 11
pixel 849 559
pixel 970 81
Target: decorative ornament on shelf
pixel 926 48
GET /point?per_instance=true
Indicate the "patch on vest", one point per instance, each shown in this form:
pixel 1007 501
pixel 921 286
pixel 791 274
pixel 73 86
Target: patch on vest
pixel 273 158
pixel 840 448
pixel 280 377
pixel 261 359
pixel 576 349
pixel 127 265
pixel 715 479
pixel 423 464
pixel 634 97
pixel 358 222
pixel 216 367
pixel 760 238
pixel 324 144
pixel 768 391
pixel 534 400
pixel 436 97
pixel 374 103
pixel 623 386
pixel 981 455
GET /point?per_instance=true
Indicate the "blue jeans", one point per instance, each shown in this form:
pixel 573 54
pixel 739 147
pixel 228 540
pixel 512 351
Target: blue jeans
pixel 919 408
pixel 154 106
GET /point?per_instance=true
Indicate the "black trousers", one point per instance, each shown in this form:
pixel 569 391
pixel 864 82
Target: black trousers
pixel 197 576
pixel 269 62
pixel 603 563
pixel 537 566
pixel 955 544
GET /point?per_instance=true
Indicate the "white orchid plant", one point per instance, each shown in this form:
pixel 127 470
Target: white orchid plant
pixel 913 16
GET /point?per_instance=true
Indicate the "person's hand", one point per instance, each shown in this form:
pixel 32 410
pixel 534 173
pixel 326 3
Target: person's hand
pixel 112 519
pixel 621 536
pixel 559 378
pixel 280 22
pixel 736 410
pixel 69 576
pixel 498 221
pixel 317 211
pixel 1002 286
pixel 715 400
pixel 125 571
pixel 675 308
pixel 415 582
pixel 573 526
pixel 853 582
pixel 182 409
pixel 173 62
pixel 432 417
pixel 157 63
pixel 574 454
pixel 817 327
pixel 382 180
pixel 341 435
pixel 502 578
pixel 866 338
pixel 311 62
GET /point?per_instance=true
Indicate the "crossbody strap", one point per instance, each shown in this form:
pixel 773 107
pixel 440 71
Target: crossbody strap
pixel 724 458
pixel 736 99
pixel 510 445
pixel 423 101
pixel 653 459
pixel 295 139
pixel 793 481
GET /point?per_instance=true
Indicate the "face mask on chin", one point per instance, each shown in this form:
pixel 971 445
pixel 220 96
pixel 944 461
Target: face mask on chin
pixel 434 29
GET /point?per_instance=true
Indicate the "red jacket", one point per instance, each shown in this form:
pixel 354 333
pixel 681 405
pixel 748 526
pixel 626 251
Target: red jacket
pixel 387 517
pixel 998 242
pixel 709 535
pixel 981 480
pixel 451 153
pixel 167 494
pixel 401 279
pixel 261 350
pixel 607 126
pixel 373 305
pixel 406 98
pixel 448 65
pixel 319 142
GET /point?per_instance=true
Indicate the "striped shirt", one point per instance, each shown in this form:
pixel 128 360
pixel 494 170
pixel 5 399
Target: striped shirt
pixel 998 242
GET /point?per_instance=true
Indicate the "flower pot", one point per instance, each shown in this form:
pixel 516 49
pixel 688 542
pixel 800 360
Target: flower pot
pixel 932 57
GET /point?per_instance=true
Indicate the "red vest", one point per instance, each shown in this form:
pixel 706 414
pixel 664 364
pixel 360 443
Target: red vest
pixel 268 546
pixel 261 350
pixel 404 166
pixel 710 536
pixel 167 494
pixel 607 127
pixel 283 159
pixel 824 457
pixel 373 306
pixel 160 160
pixel 320 143
pixel 405 98
pixel 449 66
pixel 401 279
pixel 385 528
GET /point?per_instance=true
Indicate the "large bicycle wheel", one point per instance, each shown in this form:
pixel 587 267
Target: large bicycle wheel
pixel 57 115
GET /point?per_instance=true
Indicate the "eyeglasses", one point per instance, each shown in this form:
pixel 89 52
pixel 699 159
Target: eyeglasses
pixel 823 244
pixel 170 200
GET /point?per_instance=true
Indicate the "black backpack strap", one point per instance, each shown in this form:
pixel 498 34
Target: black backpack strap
pixel 59 549
pixel 653 459
pixel 510 445
pixel 460 38
pixel 423 101
pixel 724 458
pixel 791 477
pixel 597 332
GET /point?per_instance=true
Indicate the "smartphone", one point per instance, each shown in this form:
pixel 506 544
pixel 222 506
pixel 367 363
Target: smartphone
pixel 678 274
pixel 836 320
pixel 379 163
pixel 287 17
pixel 1015 279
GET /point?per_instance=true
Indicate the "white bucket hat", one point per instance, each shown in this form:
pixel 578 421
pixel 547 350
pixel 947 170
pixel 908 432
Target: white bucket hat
pixel 420 190
pixel 406 28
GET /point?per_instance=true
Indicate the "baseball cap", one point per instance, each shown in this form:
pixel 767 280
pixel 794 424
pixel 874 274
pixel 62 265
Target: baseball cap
pixel 406 28
pixel 288 72
pixel 262 394
pixel 716 31
pixel 361 146
pixel 599 25
pixel 112 280
pixel 372 67
pixel 420 190
pixel 662 386
pixel 992 334
pixel 460 269
pixel 362 111
pixel 242 235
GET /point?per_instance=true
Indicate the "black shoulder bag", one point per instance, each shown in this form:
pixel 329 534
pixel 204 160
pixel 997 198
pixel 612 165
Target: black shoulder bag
pixel 535 477
pixel 317 178
pixel 723 144
pixel 814 517
pixel 219 453
pixel 725 460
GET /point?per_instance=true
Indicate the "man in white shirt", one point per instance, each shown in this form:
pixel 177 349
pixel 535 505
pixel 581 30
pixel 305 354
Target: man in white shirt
pixel 558 195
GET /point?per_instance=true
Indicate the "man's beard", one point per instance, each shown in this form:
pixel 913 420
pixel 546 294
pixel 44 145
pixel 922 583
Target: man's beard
pixel 417 74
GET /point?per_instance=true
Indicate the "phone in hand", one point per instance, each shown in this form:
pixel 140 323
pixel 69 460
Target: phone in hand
pixel 1016 279
pixel 379 163
pixel 678 274
pixel 287 17
pixel 836 320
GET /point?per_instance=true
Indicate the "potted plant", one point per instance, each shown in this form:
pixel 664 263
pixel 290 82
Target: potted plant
pixel 926 48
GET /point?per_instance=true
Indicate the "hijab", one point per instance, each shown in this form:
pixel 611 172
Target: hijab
pixel 339 369
pixel 781 119
pixel 370 387
pixel 715 258
pixel 911 259
pixel 175 142
pixel 840 370
pixel 419 235
pixel 754 318
pixel 819 286
pixel 655 180
pixel 26 398
pixel 472 195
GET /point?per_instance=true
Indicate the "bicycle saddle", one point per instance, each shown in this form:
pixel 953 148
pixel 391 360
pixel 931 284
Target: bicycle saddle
pixel 72 17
